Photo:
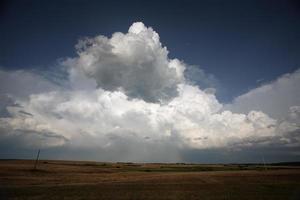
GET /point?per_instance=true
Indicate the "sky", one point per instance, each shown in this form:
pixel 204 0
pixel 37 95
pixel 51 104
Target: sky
pixel 150 81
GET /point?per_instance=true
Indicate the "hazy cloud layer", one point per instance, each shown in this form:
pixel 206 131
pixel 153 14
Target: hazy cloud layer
pixel 126 100
pixel 22 83
pixel 274 98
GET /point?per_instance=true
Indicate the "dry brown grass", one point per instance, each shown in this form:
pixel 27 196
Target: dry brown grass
pixel 92 180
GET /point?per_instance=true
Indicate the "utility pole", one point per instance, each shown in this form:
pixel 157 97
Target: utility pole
pixel 37 159
pixel 264 162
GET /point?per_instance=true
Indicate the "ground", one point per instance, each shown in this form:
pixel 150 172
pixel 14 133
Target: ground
pixel 93 180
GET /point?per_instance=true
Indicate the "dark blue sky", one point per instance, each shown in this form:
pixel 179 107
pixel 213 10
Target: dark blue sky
pixel 240 42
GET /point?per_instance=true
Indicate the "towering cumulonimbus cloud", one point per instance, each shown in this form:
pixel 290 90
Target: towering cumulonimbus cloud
pixel 125 99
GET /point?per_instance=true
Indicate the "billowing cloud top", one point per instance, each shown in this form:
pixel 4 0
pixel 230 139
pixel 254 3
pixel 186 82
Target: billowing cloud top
pixel 126 100
pixel 135 62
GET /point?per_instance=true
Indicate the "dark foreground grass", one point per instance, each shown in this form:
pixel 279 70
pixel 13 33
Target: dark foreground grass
pixel 155 191
pixel 123 181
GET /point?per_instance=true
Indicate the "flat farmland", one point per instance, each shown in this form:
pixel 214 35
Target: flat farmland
pixel 96 180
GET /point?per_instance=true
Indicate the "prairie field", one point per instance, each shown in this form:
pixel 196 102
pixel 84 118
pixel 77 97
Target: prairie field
pixel 96 180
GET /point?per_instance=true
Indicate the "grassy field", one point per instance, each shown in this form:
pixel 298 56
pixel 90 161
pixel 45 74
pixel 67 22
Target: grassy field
pixel 94 180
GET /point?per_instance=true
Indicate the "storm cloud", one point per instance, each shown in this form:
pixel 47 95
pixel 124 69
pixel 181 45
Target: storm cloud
pixel 126 99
